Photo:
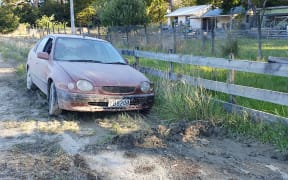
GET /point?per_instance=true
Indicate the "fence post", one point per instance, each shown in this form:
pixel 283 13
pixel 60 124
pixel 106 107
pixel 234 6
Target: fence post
pixel 171 65
pixel 161 35
pixel 174 39
pixel 231 78
pixel 136 64
pixel 146 35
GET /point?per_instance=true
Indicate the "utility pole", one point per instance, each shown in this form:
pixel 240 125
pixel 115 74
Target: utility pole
pixel 72 17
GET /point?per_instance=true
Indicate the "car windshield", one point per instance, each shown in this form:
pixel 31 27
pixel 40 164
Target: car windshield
pixel 86 50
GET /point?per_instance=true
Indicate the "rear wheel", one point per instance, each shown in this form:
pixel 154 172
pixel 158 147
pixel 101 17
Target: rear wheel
pixel 54 109
pixel 29 83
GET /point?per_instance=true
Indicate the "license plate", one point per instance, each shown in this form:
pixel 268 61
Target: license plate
pixel 118 102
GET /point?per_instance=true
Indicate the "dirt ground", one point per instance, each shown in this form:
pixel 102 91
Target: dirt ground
pixel 119 145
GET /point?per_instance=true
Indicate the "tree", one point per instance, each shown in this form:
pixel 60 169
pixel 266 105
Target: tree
pixel 79 5
pixel 124 13
pixel 226 5
pixel 157 10
pixel 8 20
pixel 188 3
pixel 254 4
pixel 85 17
pixel 45 21
pixel 27 13
pixel 61 12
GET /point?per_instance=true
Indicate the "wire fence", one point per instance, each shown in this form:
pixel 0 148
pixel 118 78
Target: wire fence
pixel 161 38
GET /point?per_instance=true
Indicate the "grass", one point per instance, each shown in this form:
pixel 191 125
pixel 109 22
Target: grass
pixel 50 127
pixel 177 100
pixel 14 49
pixel 274 133
pixel 124 123
pixel 248 51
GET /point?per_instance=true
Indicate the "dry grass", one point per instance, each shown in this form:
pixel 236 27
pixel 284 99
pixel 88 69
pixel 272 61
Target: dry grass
pixel 53 127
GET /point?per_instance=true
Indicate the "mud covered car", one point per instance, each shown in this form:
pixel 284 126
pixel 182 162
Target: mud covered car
pixel 79 73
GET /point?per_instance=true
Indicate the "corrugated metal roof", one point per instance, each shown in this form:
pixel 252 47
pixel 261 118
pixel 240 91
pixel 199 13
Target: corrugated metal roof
pixel 213 13
pixel 237 10
pixel 190 11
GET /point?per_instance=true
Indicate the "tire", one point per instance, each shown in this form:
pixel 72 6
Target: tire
pixel 145 112
pixel 29 83
pixel 54 109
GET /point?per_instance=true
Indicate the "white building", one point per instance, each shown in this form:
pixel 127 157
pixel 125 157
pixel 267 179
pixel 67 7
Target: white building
pixel 188 15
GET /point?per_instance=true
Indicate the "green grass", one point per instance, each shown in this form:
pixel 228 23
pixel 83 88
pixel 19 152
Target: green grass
pixel 247 50
pixel 177 100
pixel 273 133
pixel 13 50
pixel 16 50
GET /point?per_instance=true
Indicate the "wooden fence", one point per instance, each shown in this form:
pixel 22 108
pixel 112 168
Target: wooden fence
pixel 273 68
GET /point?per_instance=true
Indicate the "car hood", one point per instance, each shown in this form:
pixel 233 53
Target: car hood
pixel 103 74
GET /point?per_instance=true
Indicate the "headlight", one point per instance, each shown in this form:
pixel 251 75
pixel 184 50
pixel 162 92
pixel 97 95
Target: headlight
pixel 84 85
pixel 145 87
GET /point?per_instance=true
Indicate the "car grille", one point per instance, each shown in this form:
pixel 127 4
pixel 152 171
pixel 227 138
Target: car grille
pixel 118 89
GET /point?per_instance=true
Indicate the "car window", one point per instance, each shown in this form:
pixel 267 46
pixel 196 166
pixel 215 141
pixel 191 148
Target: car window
pixel 41 45
pixel 86 49
pixel 48 46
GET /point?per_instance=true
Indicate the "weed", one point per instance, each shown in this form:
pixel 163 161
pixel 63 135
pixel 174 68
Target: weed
pixel 21 70
pixel 230 46
pixel 177 100
pixel 273 133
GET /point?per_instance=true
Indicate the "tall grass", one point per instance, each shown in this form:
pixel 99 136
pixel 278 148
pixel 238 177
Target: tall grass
pixel 16 50
pixel 273 133
pixel 177 100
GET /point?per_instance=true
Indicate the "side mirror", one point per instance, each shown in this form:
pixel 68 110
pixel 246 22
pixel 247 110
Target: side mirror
pixel 43 55
pixel 126 60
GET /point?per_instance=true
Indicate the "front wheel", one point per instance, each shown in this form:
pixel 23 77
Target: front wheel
pixel 29 83
pixel 54 109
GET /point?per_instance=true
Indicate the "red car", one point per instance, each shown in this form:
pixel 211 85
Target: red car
pixel 80 73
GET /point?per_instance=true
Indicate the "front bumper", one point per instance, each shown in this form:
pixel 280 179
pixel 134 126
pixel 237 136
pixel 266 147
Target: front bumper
pixel 95 102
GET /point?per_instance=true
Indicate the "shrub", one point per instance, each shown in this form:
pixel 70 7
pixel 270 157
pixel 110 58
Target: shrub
pixel 8 20
pixel 230 46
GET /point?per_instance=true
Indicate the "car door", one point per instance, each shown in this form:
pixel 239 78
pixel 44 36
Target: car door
pixel 41 65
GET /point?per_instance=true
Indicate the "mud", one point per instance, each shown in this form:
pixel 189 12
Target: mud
pixel 119 145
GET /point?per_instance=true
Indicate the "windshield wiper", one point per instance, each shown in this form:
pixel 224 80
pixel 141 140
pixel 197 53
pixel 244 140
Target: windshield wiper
pixel 116 63
pixel 84 60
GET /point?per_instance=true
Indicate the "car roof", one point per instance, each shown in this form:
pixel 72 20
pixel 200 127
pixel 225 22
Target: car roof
pixel 75 36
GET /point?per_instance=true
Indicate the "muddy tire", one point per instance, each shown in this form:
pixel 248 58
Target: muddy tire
pixel 54 109
pixel 29 83
pixel 145 112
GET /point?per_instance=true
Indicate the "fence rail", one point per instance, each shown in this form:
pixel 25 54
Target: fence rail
pixel 270 68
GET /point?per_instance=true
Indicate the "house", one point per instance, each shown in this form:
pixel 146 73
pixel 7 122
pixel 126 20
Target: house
pixel 204 17
pixel 188 15
pixel 215 18
pixel 275 17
